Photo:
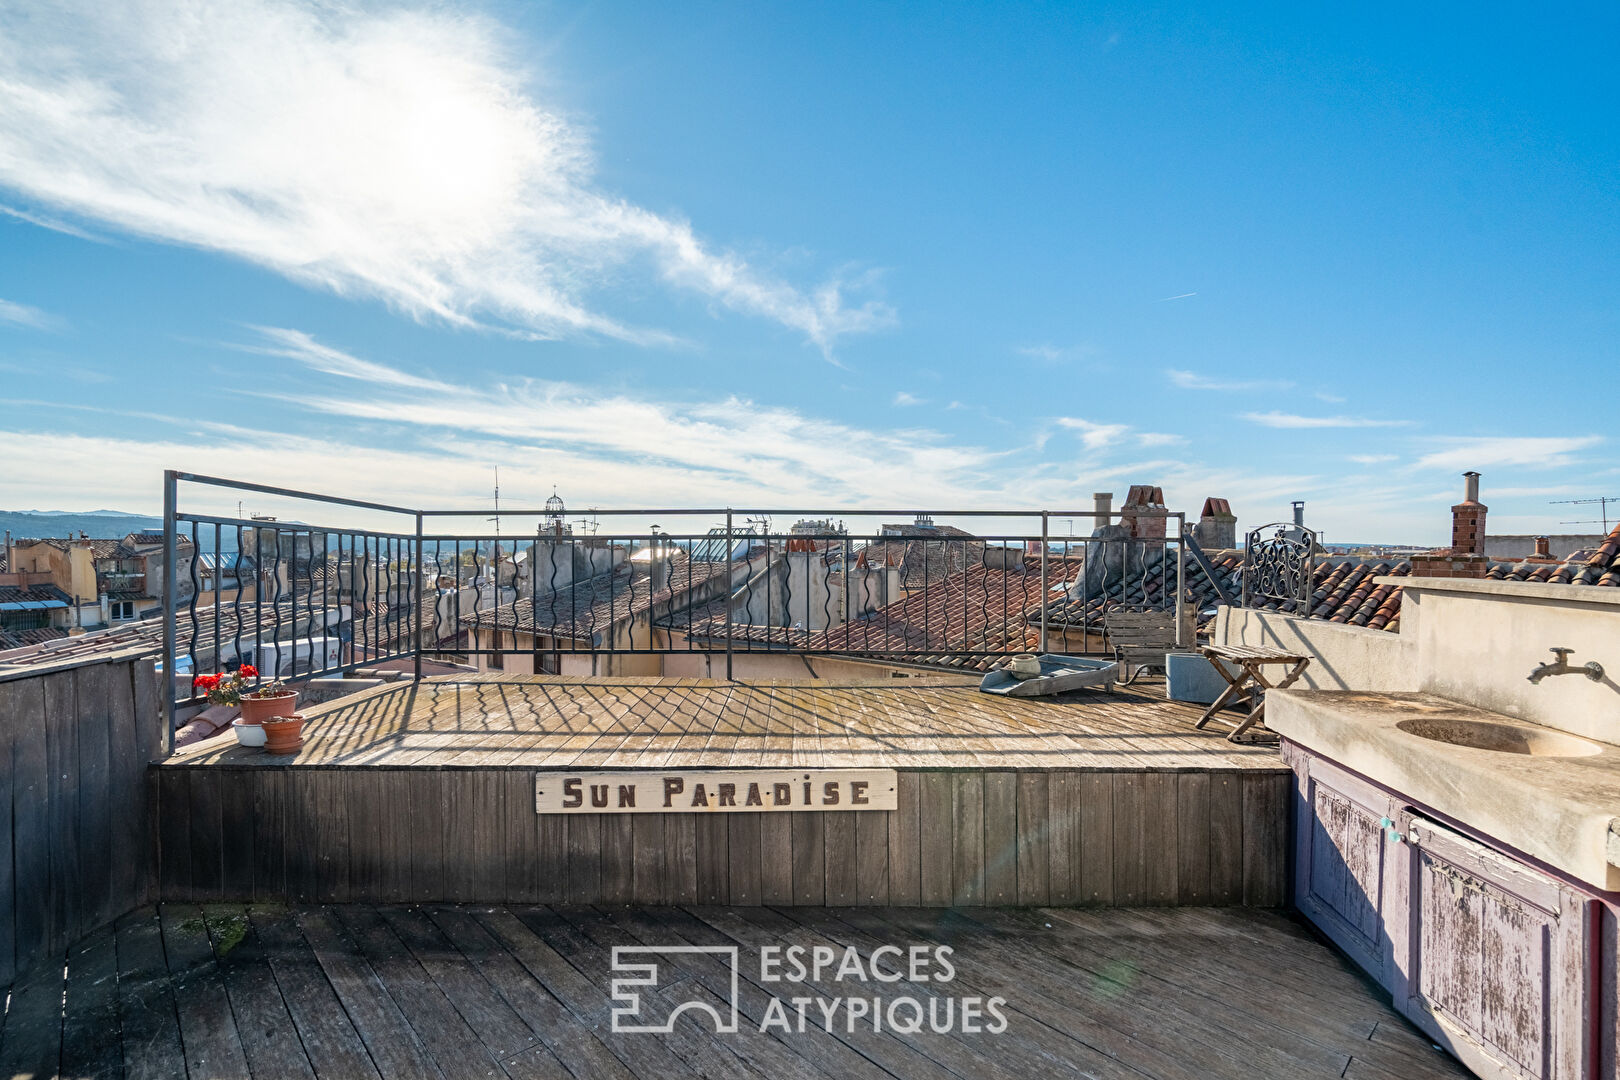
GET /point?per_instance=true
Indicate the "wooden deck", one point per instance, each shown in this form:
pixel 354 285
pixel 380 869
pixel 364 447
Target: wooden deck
pixel 528 721
pixel 442 991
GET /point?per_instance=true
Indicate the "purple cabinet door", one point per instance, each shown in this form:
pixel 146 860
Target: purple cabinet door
pixel 1343 830
pixel 1490 957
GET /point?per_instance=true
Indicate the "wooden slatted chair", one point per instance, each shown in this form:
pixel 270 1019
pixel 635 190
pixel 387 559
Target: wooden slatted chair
pixel 1141 638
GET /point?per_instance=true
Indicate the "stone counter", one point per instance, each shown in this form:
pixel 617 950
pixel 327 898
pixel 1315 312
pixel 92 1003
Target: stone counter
pixel 1558 810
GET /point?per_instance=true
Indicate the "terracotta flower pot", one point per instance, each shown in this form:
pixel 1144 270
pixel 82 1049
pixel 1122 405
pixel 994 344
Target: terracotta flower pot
pixel 283 734
pixel 256 710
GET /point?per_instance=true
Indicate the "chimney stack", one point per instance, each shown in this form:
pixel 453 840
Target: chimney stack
pixel 1468 520
pixel 1465 558
pixel 1543 549
pixel 1299 512
pixel 1103 502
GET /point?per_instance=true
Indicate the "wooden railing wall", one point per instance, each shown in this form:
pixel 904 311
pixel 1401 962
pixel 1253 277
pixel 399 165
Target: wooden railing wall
pixel 76 846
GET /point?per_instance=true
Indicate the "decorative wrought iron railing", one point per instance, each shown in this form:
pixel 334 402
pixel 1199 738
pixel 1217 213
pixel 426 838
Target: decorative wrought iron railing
pixel 363 584
pixel 1279 568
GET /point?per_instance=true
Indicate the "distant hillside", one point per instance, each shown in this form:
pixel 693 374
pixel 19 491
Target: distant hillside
pixel 96 524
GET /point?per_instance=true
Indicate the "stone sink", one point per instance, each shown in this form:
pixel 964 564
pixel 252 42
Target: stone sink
pixel 1545 793
pixel 1500 738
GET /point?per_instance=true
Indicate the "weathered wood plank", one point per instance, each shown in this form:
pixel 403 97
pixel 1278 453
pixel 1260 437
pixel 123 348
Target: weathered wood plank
pixel 936 825
pixel 425 796
pixel 1159 836
pixel 904 851
pixel 809 857
pixel 1000 837
pixel 1192 838
pixel 268 788
pixel 1130 839
pixel 872 829
pixel 1034 838
pixel 61 794
pixel 680 865
pixel 236 830
pixel 93 690
pixel 1096 863
pixel 131 861
pixel 967 838
pixel 1265 839
pixel 776 859
pixel 174 833
pixel 584 883
pixel 14 698
pixel 204 820
pixel 1063 837
pixel 1226 838
pixel 713 859
pixel 840 856
pixel 618 858
pixel 745 855
pixel 647 869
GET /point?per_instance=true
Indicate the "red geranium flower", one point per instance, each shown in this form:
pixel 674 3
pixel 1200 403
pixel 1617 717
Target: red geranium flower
pixel 248 671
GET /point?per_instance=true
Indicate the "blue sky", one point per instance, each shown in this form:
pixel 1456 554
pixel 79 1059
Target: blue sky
pixel 830 254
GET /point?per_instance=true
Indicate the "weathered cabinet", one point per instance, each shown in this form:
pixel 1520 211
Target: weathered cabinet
pixel 1490 957
pixel 1343 829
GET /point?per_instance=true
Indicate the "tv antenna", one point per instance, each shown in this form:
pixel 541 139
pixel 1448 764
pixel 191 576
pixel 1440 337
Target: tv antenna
pixel 1602 503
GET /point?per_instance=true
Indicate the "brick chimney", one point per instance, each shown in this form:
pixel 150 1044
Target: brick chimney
pixel 1543 551
pixel 1468 520
pixel 1144 498
pixel 1465 558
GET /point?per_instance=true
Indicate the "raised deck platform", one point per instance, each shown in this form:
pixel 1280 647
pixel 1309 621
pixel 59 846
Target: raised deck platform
pixel 358 991
pixel 528 721
pixel 427 792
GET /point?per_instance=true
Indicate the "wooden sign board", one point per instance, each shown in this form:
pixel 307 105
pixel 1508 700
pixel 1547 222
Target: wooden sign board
pixel 750 791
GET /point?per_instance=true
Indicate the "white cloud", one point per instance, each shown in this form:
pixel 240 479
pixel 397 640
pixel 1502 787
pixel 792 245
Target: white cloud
pixel 1159 438
pixel 1330 398
pixel 1095 436
pixel 1372 459
pixel 1275 419
pixel 1191 380
pixel 390 153
pixel 902 398
pixel 23 315
pixel 1528 451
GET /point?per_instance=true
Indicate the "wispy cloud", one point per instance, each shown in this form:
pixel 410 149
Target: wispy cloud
pixel 23 315
pixel 1330 398
pixel 390 153
pixel 1528 451
pixel 1098 436
pixel 1178 296
pixel 903 398
pixel 1095 436
pixel 1275 419
pixel 1192 380
pixel 1373 459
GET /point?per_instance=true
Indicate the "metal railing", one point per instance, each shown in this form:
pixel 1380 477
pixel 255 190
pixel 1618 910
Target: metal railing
pixel 1280 568
pixel 317 598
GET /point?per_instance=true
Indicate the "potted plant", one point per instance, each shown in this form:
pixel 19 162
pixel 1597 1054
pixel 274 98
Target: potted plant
pixel 271 699
pixel 283 734
pixel 228 690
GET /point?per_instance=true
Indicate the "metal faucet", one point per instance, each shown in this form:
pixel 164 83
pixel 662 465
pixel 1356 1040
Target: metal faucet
pixel 1591 669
